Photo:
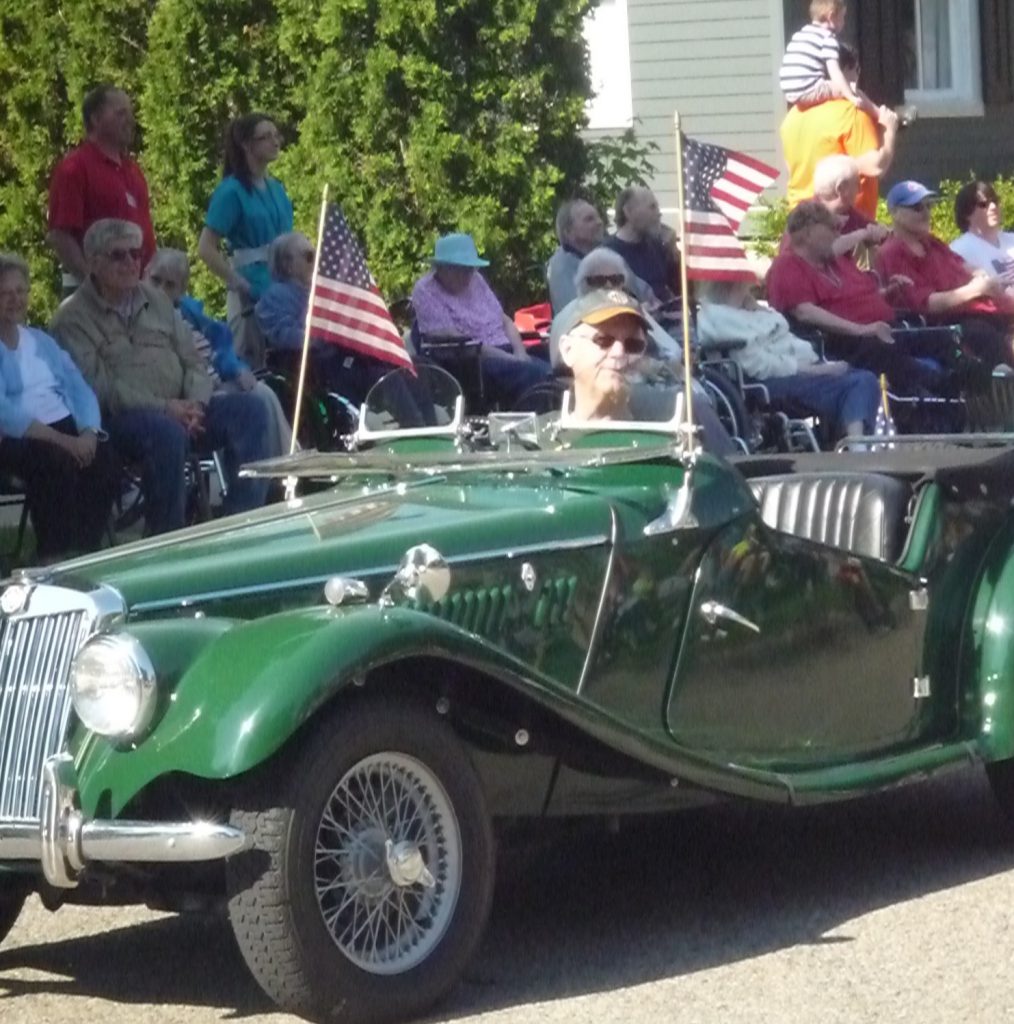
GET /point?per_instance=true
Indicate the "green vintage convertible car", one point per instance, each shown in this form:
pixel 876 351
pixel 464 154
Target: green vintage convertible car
pixel 320 717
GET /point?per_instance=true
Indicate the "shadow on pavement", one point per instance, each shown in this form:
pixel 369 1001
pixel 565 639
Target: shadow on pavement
pixel 598 910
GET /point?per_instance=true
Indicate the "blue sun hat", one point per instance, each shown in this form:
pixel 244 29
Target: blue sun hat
pixel 458 250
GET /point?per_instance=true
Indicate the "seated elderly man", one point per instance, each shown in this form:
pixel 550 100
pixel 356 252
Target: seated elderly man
pixel 938 283
pixel 656 378
pixel 579 229
pixel 787 366
pixel 170 271
pixel 638 239
pixel 601 335
pixel 453 299
pixel 139 358
pixel 813 286
pixel 836 184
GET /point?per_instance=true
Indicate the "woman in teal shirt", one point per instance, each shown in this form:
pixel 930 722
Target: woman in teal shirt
pixel 248 210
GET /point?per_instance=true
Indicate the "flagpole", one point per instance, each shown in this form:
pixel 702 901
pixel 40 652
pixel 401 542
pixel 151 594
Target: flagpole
pixel 688 415
pixel 306 328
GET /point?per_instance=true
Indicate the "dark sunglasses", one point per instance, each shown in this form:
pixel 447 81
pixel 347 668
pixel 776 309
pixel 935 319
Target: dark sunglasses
pixel 985 204
pixel 921 207
pixel 606 280
pixel 122 255
pixel 308 256
pixel 632 346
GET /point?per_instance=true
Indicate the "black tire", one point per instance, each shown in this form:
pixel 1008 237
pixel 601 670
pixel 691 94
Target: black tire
pixel 1001 780
pixel 276 903
pixel 12 898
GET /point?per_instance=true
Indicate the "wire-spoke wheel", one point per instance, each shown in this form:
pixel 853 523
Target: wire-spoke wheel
pixel 370 873
pixel 388 863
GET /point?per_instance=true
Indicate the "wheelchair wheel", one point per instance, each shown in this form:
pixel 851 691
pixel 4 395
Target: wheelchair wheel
pixel 729 405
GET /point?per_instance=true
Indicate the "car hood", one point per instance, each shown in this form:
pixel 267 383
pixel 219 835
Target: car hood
pixel 357 532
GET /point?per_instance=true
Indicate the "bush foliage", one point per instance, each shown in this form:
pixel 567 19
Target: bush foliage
pixel 424 116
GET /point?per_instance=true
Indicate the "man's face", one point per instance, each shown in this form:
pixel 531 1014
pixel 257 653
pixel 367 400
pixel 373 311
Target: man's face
pixel 119 267
pixel 114 123
pixel 914 219
pixel 642 212
pixel 13 297
pixel 586 227
pixel 818 241
pixel 172 283
pixel 601 355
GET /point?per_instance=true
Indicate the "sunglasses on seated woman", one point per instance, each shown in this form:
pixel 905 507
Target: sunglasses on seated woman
pixel 606 280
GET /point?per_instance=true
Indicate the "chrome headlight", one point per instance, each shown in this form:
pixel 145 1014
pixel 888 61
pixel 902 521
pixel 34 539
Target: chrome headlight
pixel 112 684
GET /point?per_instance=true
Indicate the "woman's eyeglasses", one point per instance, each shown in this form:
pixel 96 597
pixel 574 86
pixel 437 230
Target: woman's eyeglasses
pixel 606 280
pixel 986 203
pixel 633 345
pixel 122 255
pixel 308 256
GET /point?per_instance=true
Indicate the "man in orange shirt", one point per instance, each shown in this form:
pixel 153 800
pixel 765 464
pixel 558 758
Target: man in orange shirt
pixel 839 126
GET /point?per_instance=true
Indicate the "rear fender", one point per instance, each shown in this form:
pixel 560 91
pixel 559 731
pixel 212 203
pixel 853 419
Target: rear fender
pixel 248 692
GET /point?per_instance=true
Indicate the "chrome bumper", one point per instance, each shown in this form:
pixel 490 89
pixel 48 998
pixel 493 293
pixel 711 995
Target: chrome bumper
pixel 64 842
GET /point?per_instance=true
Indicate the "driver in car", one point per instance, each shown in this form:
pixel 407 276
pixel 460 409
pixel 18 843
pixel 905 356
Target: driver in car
pixel 604 335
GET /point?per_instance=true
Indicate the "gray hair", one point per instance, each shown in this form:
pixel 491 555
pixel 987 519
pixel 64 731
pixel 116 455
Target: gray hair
pixel 10 263
pixel 278 254
pixel 565 217
pixel 100 236
pixel 601 261
pixel 175 261
pixel 831 173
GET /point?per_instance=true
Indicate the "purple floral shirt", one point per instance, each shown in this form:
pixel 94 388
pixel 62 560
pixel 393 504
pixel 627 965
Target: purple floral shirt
pixel 476 312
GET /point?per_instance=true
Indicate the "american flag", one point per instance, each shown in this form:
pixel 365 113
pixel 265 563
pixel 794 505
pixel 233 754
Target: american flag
pixel 346 307
pixel 720 188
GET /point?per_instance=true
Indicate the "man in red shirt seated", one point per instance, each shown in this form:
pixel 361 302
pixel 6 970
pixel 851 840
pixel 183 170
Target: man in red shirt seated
pixel 98 180
pixel 816 288
pixel 939 284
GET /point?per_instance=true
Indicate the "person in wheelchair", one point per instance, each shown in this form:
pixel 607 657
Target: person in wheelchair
pixel 454 300
pixel 139 358
pixel 787 366
pixel 656 376
pixel 170 271
pixel 815 288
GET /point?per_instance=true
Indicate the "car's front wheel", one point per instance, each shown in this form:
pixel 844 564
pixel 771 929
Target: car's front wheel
pixel 371 870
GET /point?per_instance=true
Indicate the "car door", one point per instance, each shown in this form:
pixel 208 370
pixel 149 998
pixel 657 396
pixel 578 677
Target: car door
pixel 797 654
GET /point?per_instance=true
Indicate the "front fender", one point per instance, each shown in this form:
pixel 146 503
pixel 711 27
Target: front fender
pixel 245 694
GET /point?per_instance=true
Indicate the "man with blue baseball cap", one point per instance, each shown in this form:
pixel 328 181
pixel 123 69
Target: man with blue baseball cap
pixel 454 300
pixel 938 284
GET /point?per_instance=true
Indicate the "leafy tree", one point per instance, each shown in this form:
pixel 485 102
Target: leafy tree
pixel 430 116
pixel 50 55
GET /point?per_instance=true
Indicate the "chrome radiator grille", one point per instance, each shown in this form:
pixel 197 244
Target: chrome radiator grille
pixel 37 646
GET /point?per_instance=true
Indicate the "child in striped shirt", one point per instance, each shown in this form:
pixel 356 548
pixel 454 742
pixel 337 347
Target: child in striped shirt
pixel 811 71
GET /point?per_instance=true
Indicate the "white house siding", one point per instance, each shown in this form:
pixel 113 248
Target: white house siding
pixel 715 61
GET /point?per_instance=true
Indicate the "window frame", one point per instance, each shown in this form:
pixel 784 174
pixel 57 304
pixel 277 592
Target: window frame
pixel 964 98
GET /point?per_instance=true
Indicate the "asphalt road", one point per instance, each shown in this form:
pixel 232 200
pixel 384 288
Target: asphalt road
pixel 891 909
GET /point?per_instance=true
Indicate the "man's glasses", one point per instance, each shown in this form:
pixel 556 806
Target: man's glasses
pixel 922 207
pixel 606 280
pixel 633 345
pixel 122 255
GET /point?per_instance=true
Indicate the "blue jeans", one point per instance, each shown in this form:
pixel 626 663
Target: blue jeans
pixel 235 423
pixel 849 397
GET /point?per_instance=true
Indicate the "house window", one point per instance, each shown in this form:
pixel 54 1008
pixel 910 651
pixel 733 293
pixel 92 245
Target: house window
pixel 940 55
pixel 607 35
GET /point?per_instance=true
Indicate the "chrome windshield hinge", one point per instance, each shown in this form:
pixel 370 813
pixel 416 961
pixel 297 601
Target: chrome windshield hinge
pixel 921 687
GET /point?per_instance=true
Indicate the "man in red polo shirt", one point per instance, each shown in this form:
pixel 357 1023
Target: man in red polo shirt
pixel 817 288
pixel 941 286
pixel 96 180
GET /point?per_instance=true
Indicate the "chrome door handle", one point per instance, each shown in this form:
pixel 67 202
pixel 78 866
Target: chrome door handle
pixel 712 611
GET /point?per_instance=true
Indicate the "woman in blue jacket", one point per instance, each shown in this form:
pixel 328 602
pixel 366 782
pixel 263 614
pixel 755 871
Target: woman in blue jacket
pixel 51 430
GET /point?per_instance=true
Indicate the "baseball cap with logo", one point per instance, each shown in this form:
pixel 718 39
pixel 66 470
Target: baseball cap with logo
pixel 908 193
pixel 596 307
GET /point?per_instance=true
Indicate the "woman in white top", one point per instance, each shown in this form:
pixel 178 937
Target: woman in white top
pixel 984 245
pixel 50 436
